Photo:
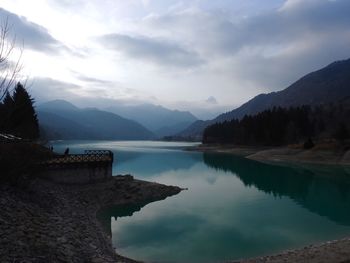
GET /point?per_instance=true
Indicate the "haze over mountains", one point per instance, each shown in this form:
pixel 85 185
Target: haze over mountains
pixel 329 84
pixel 158 119
pixel 61 119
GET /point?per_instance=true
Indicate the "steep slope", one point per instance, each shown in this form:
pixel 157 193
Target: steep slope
pixel 58 105
pixel 53 126
pixel 329 84
pixel 65 121
pixel 173 129
pixel 324 86
pixel 157 119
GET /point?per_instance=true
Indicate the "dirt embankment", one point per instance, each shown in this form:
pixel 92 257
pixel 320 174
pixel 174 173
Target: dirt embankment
pixel 302 156
pixel 47 222
pixel 317 155
pixel 337 251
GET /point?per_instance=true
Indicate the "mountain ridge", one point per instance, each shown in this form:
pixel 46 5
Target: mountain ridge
pixel 62 120
pixel 158 119
pixel 322 86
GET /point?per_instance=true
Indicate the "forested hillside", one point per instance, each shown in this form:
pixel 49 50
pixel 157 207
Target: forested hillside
pixel 281 126
pixel 321 87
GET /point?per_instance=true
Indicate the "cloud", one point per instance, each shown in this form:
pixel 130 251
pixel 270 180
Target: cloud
pixel 221 33
pixel 68 4
pixel 267 50
pixel 231 50
pixel 91 80
pixel 45 89
pixel 211 100
pixel 158 51
pixel 33 35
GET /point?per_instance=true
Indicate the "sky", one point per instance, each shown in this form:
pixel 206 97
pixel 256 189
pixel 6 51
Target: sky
pixel 204 56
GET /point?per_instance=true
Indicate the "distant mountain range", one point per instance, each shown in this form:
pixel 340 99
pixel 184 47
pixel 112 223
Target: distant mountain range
pixel 324 86
pixel 161 121
pixel 60 119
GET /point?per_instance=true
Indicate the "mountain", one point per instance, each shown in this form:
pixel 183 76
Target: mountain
pixel 53 126
pixel 324 86
pixel 58 105
pixel 157 119
pixel 60 119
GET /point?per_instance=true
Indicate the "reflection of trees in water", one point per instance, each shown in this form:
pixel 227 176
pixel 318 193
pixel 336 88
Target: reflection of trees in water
pixel 105 215
pixel 325 192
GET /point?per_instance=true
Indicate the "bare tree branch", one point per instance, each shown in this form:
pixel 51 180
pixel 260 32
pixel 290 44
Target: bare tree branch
pixel 9 69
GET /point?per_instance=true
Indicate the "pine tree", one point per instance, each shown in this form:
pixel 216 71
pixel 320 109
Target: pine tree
pixel 6 111
pixel 23 120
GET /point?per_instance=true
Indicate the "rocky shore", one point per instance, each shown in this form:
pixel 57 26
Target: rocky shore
pixel 48 222
pixel 337 251
pixel 317 155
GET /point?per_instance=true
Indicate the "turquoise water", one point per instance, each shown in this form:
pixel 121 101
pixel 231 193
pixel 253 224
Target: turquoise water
pixel 234 208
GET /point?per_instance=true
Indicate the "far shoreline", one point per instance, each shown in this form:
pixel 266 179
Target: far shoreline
pixel 279 155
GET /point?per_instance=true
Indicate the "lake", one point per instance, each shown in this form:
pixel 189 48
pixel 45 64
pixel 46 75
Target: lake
pixel 234 207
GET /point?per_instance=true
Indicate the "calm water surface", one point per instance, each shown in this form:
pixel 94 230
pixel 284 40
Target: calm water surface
pixel 234 208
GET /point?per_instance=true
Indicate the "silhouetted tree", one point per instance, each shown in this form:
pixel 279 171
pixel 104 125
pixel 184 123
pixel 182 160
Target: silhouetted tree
pixel 281 126
pixel 276 126
pixel 20 118
pixel 6 109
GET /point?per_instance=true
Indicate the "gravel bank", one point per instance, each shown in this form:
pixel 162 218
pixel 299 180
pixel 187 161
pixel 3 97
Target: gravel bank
pixel 302 156
pixel 337 251
pixel 280 154
pixel 47 222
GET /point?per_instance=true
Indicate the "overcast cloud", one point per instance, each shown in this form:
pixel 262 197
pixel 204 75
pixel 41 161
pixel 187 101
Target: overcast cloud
pixel 211 54
pixel 34 36
pixel 164 53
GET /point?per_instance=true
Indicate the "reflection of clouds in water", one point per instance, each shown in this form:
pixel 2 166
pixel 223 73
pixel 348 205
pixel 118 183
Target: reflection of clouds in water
pixel 172 229
pixel 236 219
pixel 233 207
pixel 227 230
pixel 154 163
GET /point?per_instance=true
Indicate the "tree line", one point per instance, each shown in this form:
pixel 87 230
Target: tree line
pixel 18 115
pixel 282 126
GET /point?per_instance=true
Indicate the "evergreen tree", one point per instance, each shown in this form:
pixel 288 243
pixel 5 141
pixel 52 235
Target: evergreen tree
pixel 23 119
pixel 276 126
pixel 6 109
pixel 2 117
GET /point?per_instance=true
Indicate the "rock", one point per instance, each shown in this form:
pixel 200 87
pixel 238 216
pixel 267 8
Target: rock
pixel 97 260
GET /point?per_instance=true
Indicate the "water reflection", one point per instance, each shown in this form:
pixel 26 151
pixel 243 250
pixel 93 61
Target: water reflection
pixel 152 163
pixel 106 215
pixel 322 190
pixel 234 208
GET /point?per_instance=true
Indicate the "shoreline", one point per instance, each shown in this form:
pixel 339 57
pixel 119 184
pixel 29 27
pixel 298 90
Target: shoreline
pixel 49 222
pixel 280 155
pixel 335 251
